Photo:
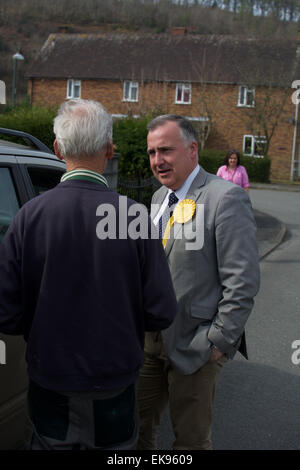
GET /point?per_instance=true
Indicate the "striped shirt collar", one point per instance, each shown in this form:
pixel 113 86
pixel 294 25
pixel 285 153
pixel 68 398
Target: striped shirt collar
pixel 83 174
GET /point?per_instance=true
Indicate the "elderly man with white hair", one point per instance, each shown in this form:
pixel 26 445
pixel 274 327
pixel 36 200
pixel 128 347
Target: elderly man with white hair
pixel 82 303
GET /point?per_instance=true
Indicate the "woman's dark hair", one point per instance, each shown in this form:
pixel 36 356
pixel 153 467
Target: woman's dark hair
pixel 228 155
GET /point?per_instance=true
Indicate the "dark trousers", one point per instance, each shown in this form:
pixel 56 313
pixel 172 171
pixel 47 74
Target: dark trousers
pixel 81 420
pixel 190 399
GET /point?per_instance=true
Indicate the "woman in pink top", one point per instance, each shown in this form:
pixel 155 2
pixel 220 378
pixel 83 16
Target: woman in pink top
pixel 233 171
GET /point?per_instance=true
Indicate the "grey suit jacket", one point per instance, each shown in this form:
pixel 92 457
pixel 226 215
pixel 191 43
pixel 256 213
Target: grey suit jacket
pixel 214 265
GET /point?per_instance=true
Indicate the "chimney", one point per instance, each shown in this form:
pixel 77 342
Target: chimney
pixel 179 31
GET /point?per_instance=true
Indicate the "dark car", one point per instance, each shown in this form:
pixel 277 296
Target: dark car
pixel 25 171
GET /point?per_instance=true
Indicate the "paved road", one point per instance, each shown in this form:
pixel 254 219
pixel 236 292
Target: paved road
pixel 257 403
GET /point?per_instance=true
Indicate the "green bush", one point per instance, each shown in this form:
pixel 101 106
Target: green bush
pixel 130 139
pixel 32 119
pixel 258 169
pixel 211 160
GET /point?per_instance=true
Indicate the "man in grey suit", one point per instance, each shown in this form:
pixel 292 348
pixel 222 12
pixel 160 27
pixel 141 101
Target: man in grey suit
pixel 213 258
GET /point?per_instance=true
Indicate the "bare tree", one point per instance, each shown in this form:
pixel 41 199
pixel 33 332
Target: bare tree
pixel 272 91
pixel 268 112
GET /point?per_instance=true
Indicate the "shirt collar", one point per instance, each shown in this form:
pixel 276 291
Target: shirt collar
pixel 83 174
pixel 235 168
pixel 182 192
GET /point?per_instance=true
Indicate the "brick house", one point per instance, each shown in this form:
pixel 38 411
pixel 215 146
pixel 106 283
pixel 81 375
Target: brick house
pixel 236 90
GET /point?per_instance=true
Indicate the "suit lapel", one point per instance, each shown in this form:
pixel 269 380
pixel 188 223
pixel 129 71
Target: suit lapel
pixel 157 200
pixel 195 188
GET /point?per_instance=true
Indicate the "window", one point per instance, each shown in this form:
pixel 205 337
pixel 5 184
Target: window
pixel 183 93
pixel 254 145
pixel 73 88
pixel 130 91
pixel 9 204
pixel 44 178
pixel 246 96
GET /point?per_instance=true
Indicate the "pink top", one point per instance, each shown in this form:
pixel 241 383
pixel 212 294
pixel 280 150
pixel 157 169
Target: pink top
pixel 238 175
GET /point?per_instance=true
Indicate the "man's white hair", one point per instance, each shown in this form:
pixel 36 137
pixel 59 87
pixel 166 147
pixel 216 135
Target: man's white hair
pixel 82 128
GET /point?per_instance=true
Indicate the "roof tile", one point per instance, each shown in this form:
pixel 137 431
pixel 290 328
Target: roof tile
pixel 218 59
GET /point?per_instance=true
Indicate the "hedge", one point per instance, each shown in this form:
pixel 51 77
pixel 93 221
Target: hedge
pixel 130 139
pixel 258 169
pixel 35 120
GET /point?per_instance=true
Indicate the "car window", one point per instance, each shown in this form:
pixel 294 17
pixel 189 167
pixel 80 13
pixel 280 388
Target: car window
pixel 9 204
pixel 44 178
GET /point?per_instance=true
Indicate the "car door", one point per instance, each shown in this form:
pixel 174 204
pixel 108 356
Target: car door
pixel 20 180
pixel 13 376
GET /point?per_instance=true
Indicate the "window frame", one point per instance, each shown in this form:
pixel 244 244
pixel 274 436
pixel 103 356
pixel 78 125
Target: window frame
pixel 24 162
pixel 243 104
pixel 132 85
pixel 14 202
pixel 73 82
pixel 183 85
pixel 254 140
pixel 18 179
pixel 46 169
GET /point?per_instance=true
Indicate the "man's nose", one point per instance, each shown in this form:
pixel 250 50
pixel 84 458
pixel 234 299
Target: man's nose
pixel 158 158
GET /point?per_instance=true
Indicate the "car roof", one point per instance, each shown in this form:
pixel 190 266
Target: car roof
pixel 33 144
pixel 11 148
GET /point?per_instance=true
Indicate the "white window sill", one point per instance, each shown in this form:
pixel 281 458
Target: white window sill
pixel 245 105
pixel 254 155
pixel 182 102
pixel 130 101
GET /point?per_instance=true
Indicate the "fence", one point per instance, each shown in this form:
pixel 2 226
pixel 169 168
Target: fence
pixel 141 190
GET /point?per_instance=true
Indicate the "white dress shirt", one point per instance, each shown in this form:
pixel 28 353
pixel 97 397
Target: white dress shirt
pixel 180 193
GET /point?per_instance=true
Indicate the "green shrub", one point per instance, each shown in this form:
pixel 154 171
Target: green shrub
pixel 211 160
pixel 130 139
pixel 258 169
pixel 35 120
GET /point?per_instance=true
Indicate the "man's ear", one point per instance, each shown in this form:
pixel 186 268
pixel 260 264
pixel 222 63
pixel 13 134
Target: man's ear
pixel 110 151
pixel 56 150
pixel 194 150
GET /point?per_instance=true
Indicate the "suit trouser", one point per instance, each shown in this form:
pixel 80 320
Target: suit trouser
pixel 190 399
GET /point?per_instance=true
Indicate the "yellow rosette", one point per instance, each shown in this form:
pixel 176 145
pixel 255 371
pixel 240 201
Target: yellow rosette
pixel 183 212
